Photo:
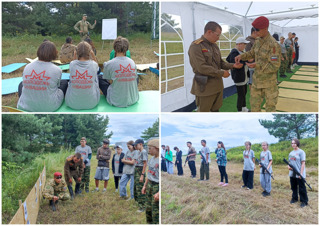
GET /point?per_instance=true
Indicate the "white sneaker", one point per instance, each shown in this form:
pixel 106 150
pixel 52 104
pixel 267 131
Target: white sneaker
pixel 129 199
pixel 96 190
pixel 116 190
pixel 292 67
pixel 245 109
pixel 104 190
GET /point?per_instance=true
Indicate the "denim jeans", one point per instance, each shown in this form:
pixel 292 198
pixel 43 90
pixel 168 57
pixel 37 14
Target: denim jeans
pixel 123 184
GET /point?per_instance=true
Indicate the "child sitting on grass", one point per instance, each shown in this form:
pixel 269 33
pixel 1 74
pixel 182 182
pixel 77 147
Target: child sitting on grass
pixel 119 80
pixel 42 89
pixel 83 91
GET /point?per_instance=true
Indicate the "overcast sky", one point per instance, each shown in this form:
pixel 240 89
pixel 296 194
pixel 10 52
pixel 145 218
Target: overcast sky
pixel 232 129
pixel 127 127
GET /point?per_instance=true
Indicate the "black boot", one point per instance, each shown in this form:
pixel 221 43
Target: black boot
pixel 53 207
pixel 71 192
pixel 77 189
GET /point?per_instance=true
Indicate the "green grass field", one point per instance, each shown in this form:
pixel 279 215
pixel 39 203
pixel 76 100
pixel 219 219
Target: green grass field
pixel 16 49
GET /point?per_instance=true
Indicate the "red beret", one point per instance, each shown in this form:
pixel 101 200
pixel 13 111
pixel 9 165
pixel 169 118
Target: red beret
pixel 56 174
pixel 261 22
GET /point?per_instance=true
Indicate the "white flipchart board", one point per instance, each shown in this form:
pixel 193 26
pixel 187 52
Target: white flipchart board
pixel 109 29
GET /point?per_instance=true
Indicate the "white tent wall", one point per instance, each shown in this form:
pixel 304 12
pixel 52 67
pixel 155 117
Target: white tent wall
pixel 193 17
pixel 308 42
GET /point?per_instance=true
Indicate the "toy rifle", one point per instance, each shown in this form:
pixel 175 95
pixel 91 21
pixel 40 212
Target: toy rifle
pixel 296 172
pixel 203 157
pixel 264 168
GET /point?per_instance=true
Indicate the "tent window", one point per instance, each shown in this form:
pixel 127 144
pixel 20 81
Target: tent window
pixel 228 38
pixel 172 53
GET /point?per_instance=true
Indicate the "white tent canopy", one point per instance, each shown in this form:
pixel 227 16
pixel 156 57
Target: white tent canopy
pixel 191 17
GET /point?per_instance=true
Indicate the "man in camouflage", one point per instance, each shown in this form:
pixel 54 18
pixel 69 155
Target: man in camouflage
pixel 267 54
pixel 209 68
pixel 56 189
pixel 67 51
pixel 73 168
pixel 83 27
pixel 86 154
pixel 284 62
pixel 289 45
pixel 151 186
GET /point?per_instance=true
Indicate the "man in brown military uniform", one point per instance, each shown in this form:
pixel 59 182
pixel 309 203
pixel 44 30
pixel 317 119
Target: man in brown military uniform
pixel 55 190
pixel 67 51
pixel 206 62
pixel 73 168
pixel 83 27
pixel 267 54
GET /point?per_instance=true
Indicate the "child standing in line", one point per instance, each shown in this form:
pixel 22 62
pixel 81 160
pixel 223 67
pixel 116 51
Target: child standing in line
pixel 248 166
pixel 151 186
pixel 266 160
pixel 221 159
pixel 117 166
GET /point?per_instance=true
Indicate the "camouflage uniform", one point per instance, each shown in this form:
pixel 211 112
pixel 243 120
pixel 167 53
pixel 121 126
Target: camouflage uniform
pixel 138 196
pixel 267 54
pixel 289 55
pixel 205 59
pixel 83 25
pixel 283 65
pixel 66 53
pixel 86 178
pixel 54 189
pixel 73 170
pixel 152 207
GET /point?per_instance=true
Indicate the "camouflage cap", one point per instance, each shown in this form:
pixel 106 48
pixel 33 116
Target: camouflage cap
pixel 84 15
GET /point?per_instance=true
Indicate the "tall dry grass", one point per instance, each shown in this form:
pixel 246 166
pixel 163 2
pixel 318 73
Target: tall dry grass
pixel 187 201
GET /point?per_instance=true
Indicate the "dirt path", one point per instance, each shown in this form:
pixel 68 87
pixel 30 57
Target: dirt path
pixel 187 201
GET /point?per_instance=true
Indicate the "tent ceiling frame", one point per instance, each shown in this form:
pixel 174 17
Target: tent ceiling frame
pixel 248 9
pixel 287 11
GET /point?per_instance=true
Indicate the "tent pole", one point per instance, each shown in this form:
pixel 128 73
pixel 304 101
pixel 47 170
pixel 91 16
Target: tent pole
pixel 248 9
pixel 193 23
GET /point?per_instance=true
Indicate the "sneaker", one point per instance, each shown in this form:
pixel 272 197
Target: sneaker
pixel 104 190
pixel 289 71
pixel 87 190
pixel 140 210
pixel 262 193
pixel 283 76
pixel 243 186
pixel 116 190
pixel 95 190
pixel 194 177
pixel 303 204
pixel 249 188
pixel 224 185
pixel 129 199
pixel 266 194
pixel 292 67
pixel 221 183
pixel 293 201
pixel 122 197
pixel 206 179
pixel 200 180
pixel 245 109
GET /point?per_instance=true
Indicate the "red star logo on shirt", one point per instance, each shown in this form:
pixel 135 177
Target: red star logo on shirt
pixel 84 75
pixel 125 69
pixel 39 76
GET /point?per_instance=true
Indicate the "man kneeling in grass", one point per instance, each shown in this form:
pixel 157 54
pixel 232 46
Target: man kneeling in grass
pixel 56 189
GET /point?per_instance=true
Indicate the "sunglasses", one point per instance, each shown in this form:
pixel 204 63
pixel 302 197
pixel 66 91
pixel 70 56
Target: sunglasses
pixel 58 177
pixel 256 29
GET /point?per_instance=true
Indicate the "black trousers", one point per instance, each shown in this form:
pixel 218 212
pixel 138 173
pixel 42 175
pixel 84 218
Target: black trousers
pixel 295 60
pixel 242 92
pixel 295 183
pixel 223 173
pixel 179 167
pixel 163 165
pixel 247 177
pixel 192 166
pixel 103 85
pixel 63 86
pixel 116 181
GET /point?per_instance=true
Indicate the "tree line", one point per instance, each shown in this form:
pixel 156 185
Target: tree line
pixel 58 18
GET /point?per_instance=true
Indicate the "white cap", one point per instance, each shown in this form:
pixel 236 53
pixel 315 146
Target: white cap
pixel 241 40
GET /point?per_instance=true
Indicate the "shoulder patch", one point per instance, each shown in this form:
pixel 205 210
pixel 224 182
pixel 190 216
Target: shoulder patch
pixel 198 41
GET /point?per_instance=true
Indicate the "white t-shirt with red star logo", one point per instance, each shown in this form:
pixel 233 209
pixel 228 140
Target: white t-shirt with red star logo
pixel 83 89
pixel 123 91
pixel 40 92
